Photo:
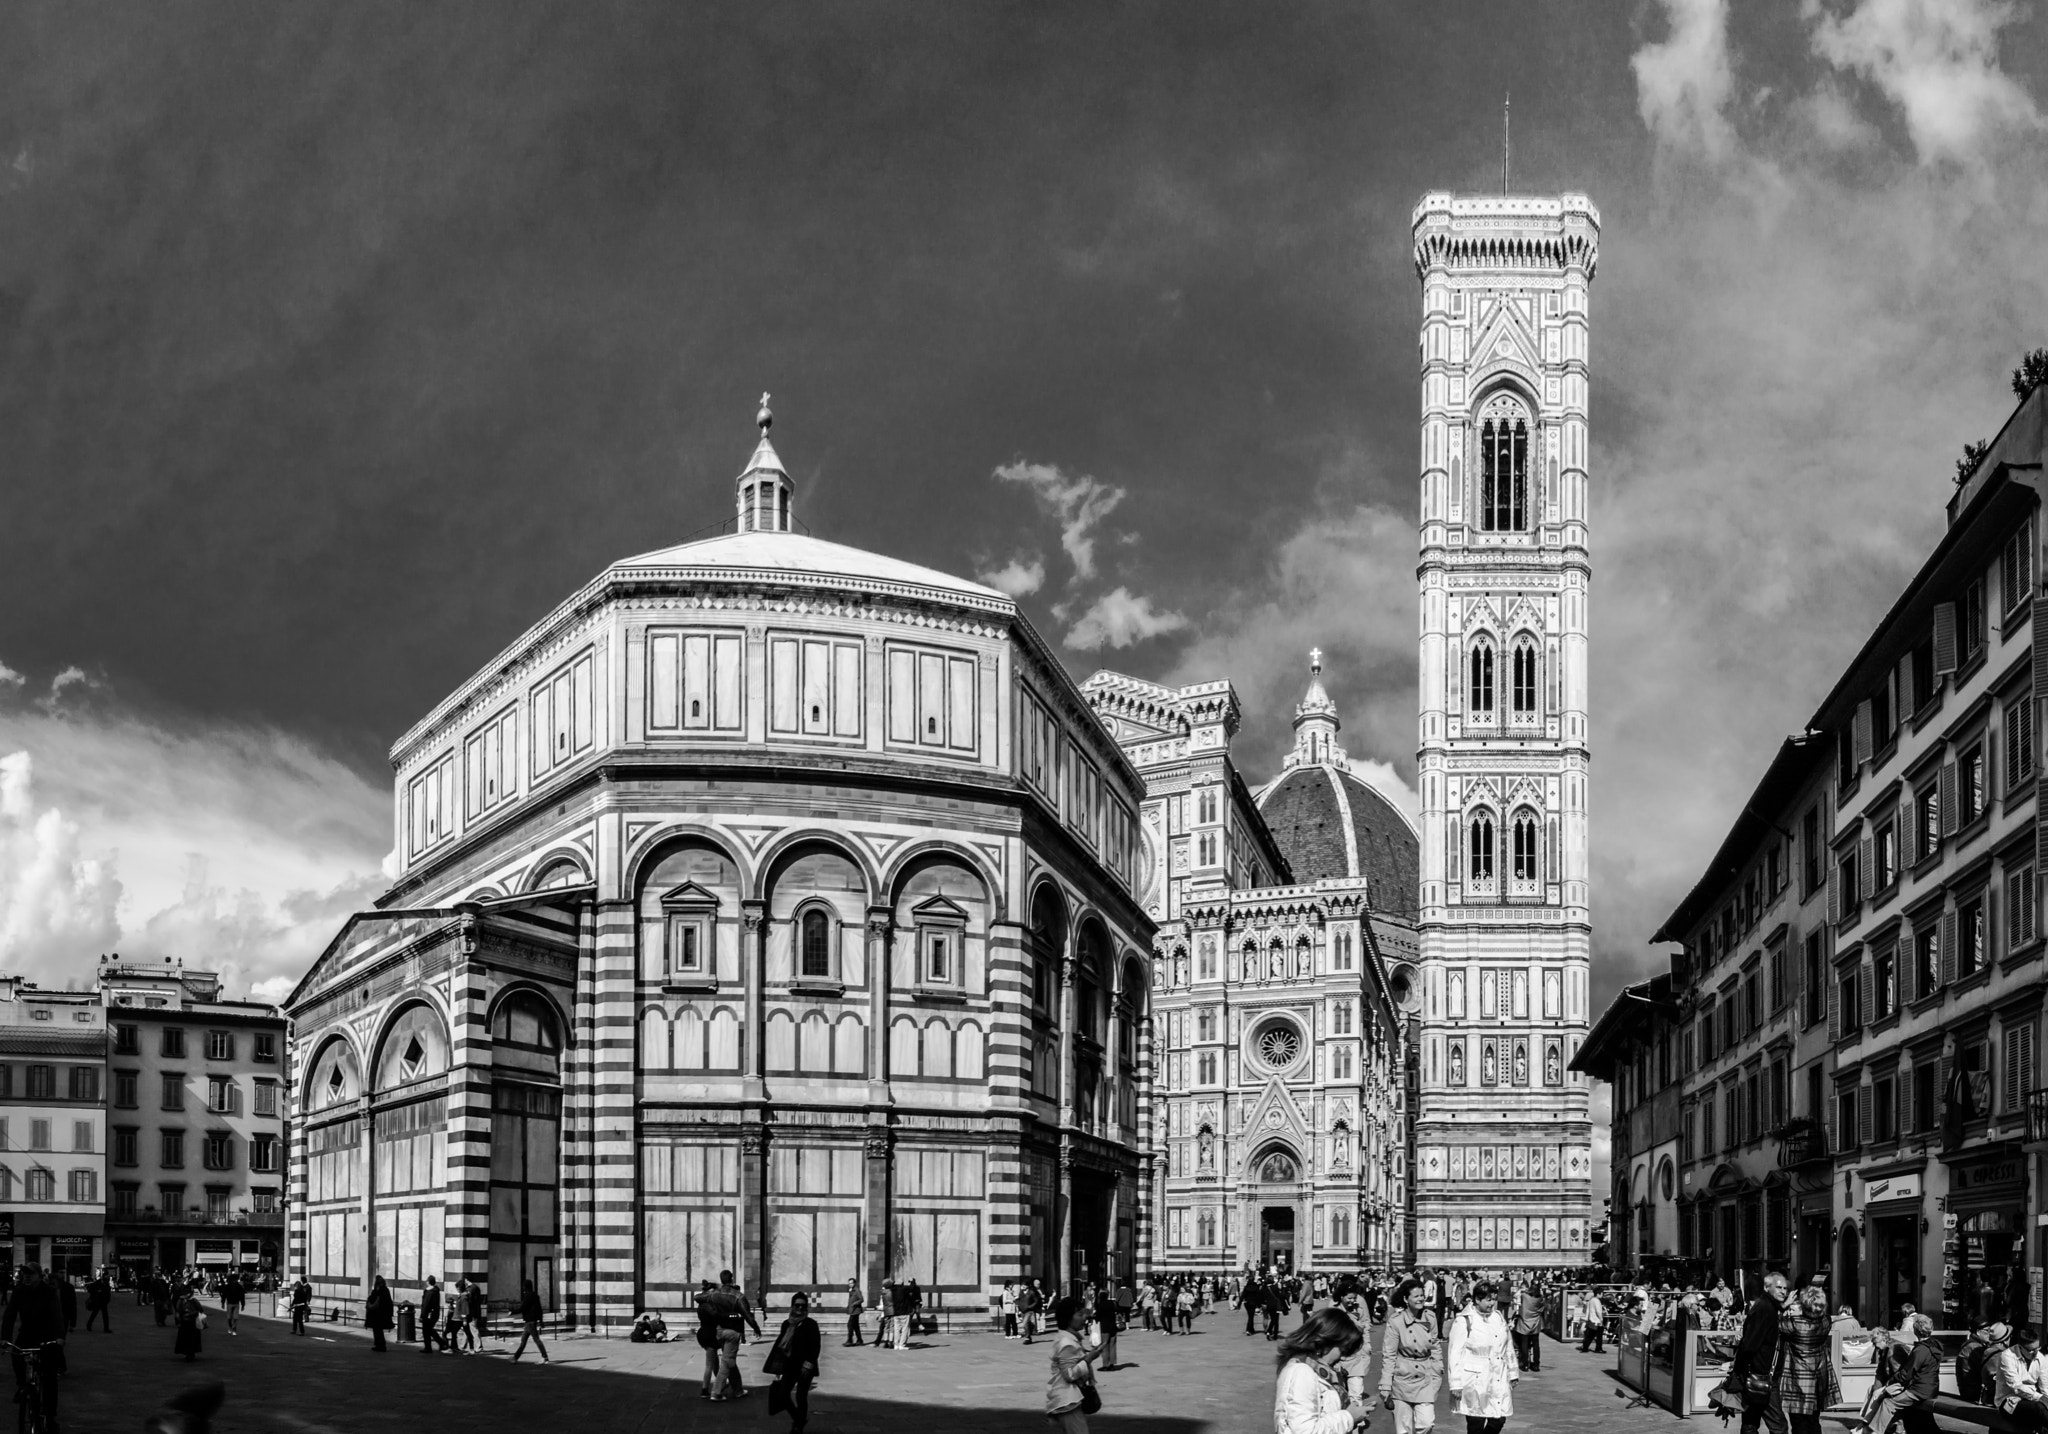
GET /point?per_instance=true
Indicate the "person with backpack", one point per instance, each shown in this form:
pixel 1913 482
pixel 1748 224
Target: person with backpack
pixel 1977 1361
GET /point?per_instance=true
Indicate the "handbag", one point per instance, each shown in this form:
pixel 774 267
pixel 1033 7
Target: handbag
pixel 1091 1398
pixel 777 1360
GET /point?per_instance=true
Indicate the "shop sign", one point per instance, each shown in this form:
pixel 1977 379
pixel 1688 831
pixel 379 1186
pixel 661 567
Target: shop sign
pixel 213 1252
pixel 79 1245
pixel 6 1227
pixel 134 1247
pixel 1892 1187
pixel 2000 1175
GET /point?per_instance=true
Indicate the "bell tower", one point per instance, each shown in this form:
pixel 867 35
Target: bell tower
pixel 1503 1141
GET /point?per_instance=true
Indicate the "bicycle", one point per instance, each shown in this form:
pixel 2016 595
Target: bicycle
pixel 33 1400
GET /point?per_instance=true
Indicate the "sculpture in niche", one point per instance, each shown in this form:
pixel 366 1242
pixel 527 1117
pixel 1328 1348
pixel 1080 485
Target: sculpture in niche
pixel 1457 1063
pixel 1207 1141
pixel 1180 971
pixel 1279 964
pixel 1304 961
pixel 1521 1064
pixel 1489 1070
pixel 1553 1073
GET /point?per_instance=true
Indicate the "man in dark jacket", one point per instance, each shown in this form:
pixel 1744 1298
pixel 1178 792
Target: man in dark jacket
pixel 795 1361
pixel 34 1317
pixel 430 1315
pixel 1756 1359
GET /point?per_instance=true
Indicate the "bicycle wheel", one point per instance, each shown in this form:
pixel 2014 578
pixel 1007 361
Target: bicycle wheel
pixel 32 1408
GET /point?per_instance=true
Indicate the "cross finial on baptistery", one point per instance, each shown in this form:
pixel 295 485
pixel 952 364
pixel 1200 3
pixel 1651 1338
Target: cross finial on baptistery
pixel 764 418
pixel 1315 659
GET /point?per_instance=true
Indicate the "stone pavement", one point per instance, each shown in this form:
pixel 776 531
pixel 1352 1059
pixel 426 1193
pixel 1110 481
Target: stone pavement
pixel 1214 1382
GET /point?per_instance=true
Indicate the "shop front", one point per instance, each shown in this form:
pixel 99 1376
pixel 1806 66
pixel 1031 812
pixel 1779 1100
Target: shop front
pixel 1813 1222
pixel 1984 1241
pixel 69 1242
pixel 1894 1221
pixel 134 1255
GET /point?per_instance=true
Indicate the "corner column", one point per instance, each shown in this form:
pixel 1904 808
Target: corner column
pixel 1066 1188
pixel 614 1133
pixel 875 1212
pixel 467 1232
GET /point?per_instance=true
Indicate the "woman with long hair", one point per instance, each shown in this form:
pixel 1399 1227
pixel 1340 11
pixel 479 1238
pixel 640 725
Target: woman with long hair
pixel 1480 1363
pixel 1309 1396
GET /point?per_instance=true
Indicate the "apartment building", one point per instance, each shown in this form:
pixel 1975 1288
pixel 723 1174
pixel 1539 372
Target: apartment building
pixel 1752 981
pixel 1634 1047
pixel 196 1145
pixel 1860 977
pixel 1935 974
pixel 53 1058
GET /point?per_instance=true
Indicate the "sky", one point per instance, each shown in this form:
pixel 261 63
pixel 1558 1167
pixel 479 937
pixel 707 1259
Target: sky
pixel 337 344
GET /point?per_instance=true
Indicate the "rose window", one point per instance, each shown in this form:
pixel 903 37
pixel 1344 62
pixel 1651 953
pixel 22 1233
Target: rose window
pixel 1279 1045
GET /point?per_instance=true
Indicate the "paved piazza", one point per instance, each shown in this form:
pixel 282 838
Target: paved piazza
pixel 331 1383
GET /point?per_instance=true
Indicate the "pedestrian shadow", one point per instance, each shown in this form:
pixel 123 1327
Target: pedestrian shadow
pixel 276 1382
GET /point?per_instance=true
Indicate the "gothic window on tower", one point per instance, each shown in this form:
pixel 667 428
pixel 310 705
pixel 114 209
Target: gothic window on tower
pixel 1524 667
pixel 1527 874
pixel 1481 686
pixel 1481 878
pixel 1504 468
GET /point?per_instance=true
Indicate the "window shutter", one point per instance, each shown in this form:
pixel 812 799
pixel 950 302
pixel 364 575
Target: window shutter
pixel 1866 867
pixel 1941 1070
pixel 1991 946
pixel 1866 990
pixel 1948 799
pixel 1863 1104
pixel 1834 1019
pixel 1902 971
pixel 2023 1069
pixel 1833 878
pixel 1904 1086
pixel 1944 638
pixel 1859 743
pixel 1948 948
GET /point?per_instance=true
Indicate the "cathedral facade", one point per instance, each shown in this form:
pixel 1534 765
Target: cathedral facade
pixel 1284 973
pixel 767 906
pixel 1504 1136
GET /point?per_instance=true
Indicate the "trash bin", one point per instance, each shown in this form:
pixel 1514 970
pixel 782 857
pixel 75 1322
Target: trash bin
pixel 405 1323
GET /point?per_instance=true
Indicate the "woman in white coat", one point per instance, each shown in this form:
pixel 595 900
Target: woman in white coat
pixel 1309 1397
pixel 1479 1364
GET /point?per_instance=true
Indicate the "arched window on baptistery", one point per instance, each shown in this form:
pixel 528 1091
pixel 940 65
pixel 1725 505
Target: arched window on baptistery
pixel 1524 683
pixel 1504 467
pixel 815 942
pixel 1481 684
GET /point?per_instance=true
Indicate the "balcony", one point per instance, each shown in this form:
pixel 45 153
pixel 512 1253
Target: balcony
pixel 253 1219
pixel 1802 1142
pixel 2037 1116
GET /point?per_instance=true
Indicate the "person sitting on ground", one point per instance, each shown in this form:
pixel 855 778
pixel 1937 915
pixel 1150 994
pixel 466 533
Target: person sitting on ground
pixel 649 1328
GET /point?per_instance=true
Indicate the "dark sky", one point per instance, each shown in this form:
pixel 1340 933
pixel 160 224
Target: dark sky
pixel 338 343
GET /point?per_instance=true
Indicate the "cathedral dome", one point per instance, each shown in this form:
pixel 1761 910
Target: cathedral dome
pixel 1331 824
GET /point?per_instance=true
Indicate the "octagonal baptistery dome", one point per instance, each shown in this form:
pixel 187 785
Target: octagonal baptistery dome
pixel 744 902
pixel 1331 823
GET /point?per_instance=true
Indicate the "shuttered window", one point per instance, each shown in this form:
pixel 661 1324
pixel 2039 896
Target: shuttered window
pixel 1944 637
pixel 2019 740
pixel 2021 900
pixel 2019 1066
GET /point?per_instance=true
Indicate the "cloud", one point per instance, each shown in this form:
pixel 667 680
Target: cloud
pixel 57 904
pixel 1937 60
pixel 236 848
pixel 1344 581
pixel 9 677
pixel 1079 502
pixel 1684 82
pixel 1119 618
pixel 1020 577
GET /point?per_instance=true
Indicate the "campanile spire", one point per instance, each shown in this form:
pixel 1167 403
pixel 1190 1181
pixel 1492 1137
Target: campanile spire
pixel 764 489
